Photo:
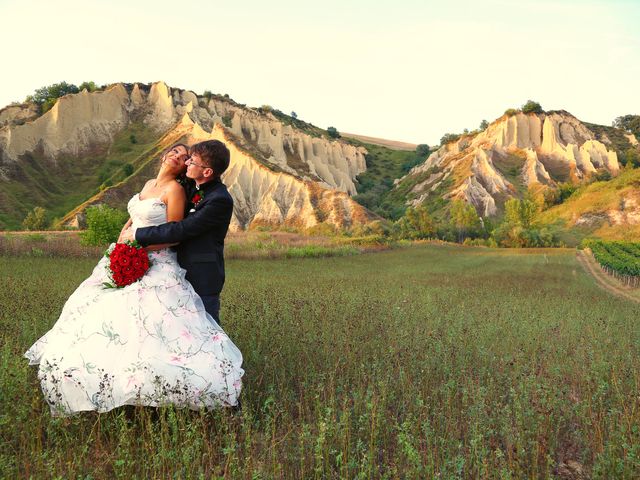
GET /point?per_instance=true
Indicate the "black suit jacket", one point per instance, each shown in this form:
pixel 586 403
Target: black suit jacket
pixel 200 235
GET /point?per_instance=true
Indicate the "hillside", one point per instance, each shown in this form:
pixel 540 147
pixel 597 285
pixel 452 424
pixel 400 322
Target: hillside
pixel 100 146
pixel 608 210
pixel 516 154
pixel 97 147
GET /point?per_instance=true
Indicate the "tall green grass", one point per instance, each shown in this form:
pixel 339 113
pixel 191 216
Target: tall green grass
pixel 428 361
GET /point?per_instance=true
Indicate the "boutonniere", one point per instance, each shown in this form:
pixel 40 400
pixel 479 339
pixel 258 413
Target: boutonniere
pixel 196 199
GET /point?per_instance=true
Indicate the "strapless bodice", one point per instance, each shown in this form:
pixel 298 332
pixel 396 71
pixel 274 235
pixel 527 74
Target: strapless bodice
pixel 147 212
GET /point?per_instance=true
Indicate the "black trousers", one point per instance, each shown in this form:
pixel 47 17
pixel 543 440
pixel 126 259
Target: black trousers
pixel 212 305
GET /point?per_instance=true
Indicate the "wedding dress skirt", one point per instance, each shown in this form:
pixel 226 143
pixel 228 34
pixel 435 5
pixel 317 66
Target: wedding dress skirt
pixel 149 343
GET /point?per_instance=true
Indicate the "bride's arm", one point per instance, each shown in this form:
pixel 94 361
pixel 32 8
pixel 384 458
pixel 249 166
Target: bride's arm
pixel 176 199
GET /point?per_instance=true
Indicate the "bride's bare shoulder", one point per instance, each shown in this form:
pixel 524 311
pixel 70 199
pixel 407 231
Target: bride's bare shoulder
pixel 175 190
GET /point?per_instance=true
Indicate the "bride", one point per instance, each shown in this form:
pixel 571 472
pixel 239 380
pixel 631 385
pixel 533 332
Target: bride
pixel 149 343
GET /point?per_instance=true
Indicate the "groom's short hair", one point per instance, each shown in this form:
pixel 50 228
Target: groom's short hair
pixel 214 153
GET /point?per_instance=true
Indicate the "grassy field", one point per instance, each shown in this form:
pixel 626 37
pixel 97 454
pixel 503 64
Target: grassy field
pixel 239 245
pixel 420 362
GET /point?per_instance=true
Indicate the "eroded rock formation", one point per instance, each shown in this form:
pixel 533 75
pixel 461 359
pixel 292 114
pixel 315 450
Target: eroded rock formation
pixel 522 150
pixel 278 174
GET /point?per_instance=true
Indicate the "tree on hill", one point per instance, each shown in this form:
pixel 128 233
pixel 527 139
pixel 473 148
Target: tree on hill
pixel 532 107
pixel 484 125
pixel 89 86
pixel 449 137
pixel 628 123
pixel 333 132
pixel 632 158
pixel 423 150
pixel 46 97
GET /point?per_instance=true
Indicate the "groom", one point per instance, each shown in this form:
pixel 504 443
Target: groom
pixel 201 233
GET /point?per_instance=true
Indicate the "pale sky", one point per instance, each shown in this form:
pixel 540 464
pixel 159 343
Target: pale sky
pixel 400 69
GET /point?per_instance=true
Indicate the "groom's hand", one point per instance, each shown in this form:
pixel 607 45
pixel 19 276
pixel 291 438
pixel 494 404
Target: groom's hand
pixel 127 236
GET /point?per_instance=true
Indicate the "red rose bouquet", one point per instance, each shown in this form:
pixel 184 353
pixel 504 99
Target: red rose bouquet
pixel 128 262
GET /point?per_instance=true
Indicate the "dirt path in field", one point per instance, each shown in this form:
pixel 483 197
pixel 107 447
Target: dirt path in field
pixel 607 282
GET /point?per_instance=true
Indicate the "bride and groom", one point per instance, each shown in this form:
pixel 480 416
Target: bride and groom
pixel 157 341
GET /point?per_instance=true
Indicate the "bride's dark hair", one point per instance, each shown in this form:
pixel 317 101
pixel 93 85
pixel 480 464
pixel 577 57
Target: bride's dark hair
pixel 182 178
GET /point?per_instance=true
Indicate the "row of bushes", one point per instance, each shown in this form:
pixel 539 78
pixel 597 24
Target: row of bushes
pixel 620 259
pixel 463 225
pixel 518 229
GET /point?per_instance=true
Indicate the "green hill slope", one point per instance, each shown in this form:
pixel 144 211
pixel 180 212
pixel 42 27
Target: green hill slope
pixel 607 210
pixel 61 185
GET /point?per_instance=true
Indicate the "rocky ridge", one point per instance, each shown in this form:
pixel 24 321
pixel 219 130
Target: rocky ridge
pixel 278 174
pixel 513 154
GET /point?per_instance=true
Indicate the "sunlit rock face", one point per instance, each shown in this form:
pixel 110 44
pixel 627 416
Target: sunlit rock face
pixel 279 175
pixel 263 196
pixel 522 150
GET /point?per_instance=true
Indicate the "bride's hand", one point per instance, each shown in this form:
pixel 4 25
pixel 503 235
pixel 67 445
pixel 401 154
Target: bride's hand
pixel 125 228
pixel 126 236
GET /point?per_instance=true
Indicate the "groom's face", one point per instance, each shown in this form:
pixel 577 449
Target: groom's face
pixel 197 168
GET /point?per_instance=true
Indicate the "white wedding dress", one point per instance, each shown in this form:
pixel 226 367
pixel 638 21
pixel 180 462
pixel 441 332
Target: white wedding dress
pixel 149 343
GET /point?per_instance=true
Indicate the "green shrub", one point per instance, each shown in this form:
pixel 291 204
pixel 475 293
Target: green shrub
pixel 36 219
pixel 532 107
pixel 35 238
pixel 553 196
pixel 631 158
pixel 103 225
pixel 322 229
pixel 127 169
pixel 48 104
pixel 480 242
pixel 415 224
pixel 333 132
pixel 628 123
pixel 376 227
pixel 422 150
pixel 89 86
pixel 602 175
pixel 465 220
pixel 46 97
pixel 520 212
pixel 516 236
pixel 449 137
